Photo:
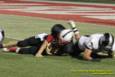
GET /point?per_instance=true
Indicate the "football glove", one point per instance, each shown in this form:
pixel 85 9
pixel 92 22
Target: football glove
pixel 73 26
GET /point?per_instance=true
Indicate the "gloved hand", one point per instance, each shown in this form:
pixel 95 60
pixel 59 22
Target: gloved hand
pixel 73 26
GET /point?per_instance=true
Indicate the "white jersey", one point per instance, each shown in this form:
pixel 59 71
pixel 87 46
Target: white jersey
pixel 41 36
pixel 93 42
pixel 90 42
pixel 113 46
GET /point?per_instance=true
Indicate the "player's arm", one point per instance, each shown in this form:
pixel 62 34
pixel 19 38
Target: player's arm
pixel 74 28
pixel 87 54
pixel 42 48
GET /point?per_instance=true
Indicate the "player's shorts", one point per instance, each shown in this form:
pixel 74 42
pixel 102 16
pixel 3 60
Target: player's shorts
pixel 30 50
pixel 31 41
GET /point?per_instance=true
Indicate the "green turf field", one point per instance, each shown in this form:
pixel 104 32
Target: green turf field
pixel 15 65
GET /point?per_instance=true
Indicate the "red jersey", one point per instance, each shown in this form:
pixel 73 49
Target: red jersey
pixel 49 38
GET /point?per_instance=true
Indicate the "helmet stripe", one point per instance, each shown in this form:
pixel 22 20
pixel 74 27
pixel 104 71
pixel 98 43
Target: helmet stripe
pixel 66 33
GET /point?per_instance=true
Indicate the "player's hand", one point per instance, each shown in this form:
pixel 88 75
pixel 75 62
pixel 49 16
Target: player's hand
pixel 72 24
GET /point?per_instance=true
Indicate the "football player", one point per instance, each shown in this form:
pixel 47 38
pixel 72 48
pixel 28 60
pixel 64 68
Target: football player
pixel 89 44
pixel 35 45
pixel 68 37
pixel 97 43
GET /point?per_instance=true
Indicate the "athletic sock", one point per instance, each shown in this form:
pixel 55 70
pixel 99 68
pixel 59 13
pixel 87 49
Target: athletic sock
pixel 12 49
pixel 17 50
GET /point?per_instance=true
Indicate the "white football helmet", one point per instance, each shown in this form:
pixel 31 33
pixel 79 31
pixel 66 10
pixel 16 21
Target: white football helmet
pixel 66 35
pixel 107 39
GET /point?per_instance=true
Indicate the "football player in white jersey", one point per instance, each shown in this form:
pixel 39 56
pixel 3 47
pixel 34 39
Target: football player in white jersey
pixel 68 37
pixel 97 43
pixel 94 43
pixel 90 43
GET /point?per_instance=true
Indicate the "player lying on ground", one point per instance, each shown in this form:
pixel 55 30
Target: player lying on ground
pixel 29 45
pixel 89 44
pixel 35 45
pixel 65 45
pixel 68 37
pixel 97 43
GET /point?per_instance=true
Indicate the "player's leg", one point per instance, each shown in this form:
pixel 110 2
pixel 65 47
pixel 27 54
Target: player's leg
pixel 31 41
pixel 22 43
pixel 29 50
pixel 10 44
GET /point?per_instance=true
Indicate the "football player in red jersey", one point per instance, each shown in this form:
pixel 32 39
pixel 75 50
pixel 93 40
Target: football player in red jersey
pixel 37 44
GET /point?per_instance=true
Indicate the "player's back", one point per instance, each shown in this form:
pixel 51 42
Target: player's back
pixel 91 41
